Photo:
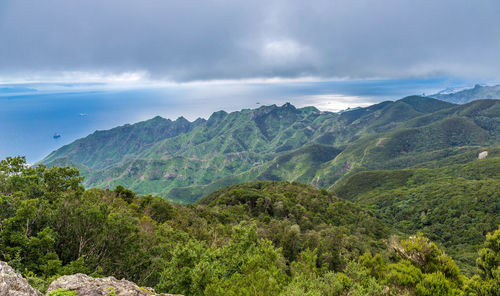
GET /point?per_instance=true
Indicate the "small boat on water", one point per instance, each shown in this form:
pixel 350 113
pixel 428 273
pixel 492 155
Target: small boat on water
pixel 56 136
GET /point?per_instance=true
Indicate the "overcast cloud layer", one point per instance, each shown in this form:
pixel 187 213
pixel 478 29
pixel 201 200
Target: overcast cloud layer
pixel 215 39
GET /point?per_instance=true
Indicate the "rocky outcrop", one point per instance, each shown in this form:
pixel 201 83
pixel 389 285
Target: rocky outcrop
pixel 12 283
pixel 482 155
pixel 84 285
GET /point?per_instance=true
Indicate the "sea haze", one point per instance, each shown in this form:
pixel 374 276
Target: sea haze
pixel 31 114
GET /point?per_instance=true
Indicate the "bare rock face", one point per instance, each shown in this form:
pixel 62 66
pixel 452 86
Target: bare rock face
pixel 12 283
pixel 84 285
pixel 483 155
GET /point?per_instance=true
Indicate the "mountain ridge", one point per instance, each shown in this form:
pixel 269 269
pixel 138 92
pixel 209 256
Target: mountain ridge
pixel 181 159
pixel 478 92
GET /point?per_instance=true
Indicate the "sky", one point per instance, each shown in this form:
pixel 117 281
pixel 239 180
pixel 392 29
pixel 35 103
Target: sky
pixel 231 39
pixel 73 67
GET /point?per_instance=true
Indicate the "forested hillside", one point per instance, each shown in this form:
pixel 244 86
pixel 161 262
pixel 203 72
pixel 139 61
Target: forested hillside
pixel 183 161
pixel 257 238
pixel 454 205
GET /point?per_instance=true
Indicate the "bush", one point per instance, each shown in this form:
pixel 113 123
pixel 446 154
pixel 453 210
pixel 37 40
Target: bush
pixel 62 292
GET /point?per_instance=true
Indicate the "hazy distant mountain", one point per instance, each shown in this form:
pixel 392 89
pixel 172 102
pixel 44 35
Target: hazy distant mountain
pixel 184 160
pixel 467 95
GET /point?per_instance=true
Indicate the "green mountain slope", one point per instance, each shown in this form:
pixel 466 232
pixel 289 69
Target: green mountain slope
pixel 454 205
pixel 427 140
pixel 183 161
pixel 106 148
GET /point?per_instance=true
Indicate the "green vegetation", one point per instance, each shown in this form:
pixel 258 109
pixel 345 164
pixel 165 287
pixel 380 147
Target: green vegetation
pixel 406 207
pixel 454 205
pixel 183 161
pixel 258 238
pixel 62 292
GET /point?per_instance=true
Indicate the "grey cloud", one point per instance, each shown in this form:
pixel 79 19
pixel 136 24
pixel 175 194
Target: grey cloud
pixel 217 39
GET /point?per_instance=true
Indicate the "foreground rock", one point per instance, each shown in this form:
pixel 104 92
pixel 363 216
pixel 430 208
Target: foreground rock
pixel 12 283
pixel 84 285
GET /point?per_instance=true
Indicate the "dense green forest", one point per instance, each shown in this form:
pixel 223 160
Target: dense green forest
pixel 454 205
pixel 265 237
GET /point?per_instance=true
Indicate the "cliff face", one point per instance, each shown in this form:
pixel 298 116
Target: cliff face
pixel 12 283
